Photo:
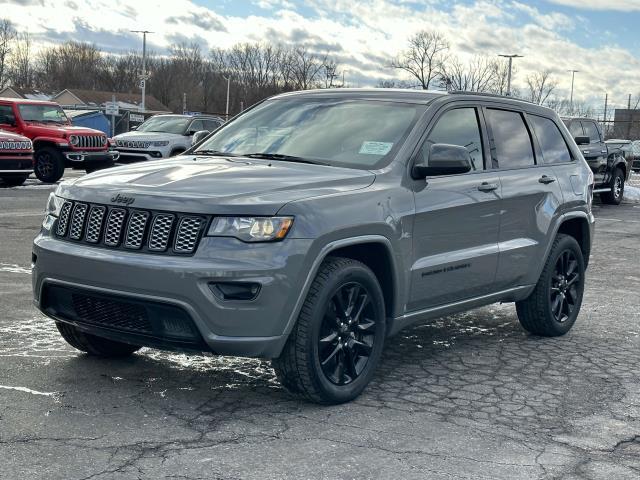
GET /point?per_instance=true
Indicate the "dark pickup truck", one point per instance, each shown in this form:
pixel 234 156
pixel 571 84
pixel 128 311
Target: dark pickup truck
pixel 611 168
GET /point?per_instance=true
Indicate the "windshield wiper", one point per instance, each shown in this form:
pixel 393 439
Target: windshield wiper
pixel 284 158
pixel 215 153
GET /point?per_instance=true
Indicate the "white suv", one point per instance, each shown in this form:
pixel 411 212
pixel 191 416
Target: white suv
pixel 162 136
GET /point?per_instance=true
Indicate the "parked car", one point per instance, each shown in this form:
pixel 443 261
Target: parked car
pixel 635 145
pixel 163 136
pixel 610 167
pixel 16 158
pixel 315 225
pixel 56 143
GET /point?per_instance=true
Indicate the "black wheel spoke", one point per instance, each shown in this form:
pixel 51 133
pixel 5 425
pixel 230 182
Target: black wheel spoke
pixel 347 333
pixel 563 290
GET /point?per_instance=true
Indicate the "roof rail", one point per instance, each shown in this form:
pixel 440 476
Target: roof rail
pixel 495 95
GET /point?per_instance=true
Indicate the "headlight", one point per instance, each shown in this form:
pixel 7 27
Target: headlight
pixel 74 140
pixel 54 204
pixel 162 143
pixel 251 229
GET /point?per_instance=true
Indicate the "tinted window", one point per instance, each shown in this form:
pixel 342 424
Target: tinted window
pixel 210 125
pixel 165 124
pixel 511 146
pixel 591 131
pixel 6 114
pixel 196 126
pixel 457 127
pixel 554 148
pixel 575 128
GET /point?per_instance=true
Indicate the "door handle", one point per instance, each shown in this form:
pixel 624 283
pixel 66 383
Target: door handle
pixel 487 187
pixel 546 180
pixel 586 152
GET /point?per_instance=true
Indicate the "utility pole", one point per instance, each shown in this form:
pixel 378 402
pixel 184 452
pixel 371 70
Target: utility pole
pixel 510 57
pixel 573 77
pixel 143 76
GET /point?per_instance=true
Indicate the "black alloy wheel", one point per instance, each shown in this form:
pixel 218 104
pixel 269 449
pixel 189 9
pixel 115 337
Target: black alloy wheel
pixel 347 333
pixel 565 284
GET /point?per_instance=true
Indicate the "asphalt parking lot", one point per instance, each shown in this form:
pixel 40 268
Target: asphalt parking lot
pixel 470 396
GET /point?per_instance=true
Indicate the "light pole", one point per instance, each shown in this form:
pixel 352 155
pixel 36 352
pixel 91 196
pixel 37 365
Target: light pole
pixel 228 79
pixel 143 76
pixel 510 57
pixel 573 77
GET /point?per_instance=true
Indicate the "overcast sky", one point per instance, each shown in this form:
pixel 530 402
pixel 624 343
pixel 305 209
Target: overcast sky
pixel 598 37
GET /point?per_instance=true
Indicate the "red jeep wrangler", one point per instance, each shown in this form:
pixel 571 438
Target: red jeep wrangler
pixel 56 143
pixel 16 158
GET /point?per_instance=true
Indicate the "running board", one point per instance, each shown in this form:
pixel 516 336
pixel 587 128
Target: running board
pixel 602 190
pixel 410 318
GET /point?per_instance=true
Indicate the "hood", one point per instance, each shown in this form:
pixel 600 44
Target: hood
pixel 50 130
pixel 214 185
pixel 146 136
pixel 11 137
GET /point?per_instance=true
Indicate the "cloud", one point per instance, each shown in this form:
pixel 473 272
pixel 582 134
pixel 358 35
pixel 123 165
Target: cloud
pixel 619 5
pixel 361 35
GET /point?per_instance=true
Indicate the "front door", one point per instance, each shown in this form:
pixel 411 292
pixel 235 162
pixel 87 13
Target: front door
pixel 455 232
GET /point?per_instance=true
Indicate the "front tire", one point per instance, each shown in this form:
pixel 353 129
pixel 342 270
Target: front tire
pixel 614 197
pixel 49 165
pixel 14 180
pixel 553 306
pixel 337 342
pixel 98 346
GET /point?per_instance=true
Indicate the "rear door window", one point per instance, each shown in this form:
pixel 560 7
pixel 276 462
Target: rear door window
pixel 554 148
pixel 457 127
pixel 511 146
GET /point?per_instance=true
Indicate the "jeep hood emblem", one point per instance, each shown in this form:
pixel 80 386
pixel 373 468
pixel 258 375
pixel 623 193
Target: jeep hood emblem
pixel 122 199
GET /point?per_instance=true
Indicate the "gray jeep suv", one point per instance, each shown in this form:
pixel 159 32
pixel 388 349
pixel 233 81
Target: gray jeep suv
pixel 315 225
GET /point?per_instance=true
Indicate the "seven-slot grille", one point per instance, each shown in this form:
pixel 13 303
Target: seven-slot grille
pixel 131 229
pixel 90 141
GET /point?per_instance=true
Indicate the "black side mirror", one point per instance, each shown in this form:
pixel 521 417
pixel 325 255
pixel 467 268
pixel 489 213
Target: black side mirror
pixel 199 136
pixel 582 140
pixel 444 160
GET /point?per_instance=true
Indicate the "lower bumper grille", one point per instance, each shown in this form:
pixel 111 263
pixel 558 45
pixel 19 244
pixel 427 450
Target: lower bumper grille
pixel 141 322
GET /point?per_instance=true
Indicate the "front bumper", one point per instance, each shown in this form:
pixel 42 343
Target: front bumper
pixel 127 155
pixel 20 164
pixel 92 157
pixel 254 328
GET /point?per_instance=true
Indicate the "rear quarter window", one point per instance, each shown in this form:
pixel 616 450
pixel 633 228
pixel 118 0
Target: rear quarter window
pixel 554 148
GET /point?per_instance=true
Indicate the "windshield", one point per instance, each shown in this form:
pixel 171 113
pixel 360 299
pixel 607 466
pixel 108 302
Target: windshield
pixel 43 113
pixel 346 133
pixel 165 124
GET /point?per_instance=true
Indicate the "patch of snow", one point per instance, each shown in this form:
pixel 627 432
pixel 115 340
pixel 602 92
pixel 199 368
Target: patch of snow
pixel 53 395
pixel 631 194
pixel 11 268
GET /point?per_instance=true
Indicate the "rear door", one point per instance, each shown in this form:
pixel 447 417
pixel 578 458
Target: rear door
pixel 455 232
pixel 530 197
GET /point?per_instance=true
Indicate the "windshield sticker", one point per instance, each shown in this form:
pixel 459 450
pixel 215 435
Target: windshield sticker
pixel 375 148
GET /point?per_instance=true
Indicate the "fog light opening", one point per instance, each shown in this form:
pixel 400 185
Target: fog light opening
pixel 243 291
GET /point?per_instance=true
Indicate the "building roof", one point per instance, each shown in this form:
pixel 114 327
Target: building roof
pixel 16 92
pixel 126 100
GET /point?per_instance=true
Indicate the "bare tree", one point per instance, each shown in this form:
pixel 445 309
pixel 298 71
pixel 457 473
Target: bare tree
pixel 7 36
pixel 500 69
pixel 394 84
pixel 22 71
pixel 476 75
pixel 72 63
pixel 424 57
pixel 540 86
pixel 563 106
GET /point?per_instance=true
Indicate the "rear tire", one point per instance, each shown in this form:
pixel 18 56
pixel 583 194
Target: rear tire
pixel 14 180
pixel 614 197
pixel 337 342
pixel 93 345
pixel 553 306
pixel 49 164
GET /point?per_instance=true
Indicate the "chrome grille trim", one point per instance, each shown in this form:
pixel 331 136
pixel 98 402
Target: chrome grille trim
pixel 145 231
pixel 113 232
pixel 188 234
pixel 77 221
pixel 63 220
pixel 135 229
pixel 94 224
pixel 160 232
